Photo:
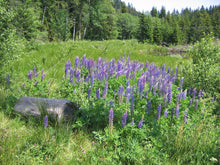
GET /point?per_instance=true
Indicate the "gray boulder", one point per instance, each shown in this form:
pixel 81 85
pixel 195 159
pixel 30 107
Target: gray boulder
pixel 57 109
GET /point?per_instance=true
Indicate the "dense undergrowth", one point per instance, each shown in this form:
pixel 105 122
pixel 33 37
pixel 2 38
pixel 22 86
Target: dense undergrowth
pixel 131 110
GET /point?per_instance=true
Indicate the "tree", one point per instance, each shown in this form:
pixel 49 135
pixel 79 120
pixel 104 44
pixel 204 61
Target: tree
pixel 162 12
pixel 127 26
pixel 154 12
pixel 102 23
pixel 157 32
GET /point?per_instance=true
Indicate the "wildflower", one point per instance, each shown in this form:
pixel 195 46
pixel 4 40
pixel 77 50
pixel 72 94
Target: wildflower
pixel 140 124
pixel 36 74
pixel 124 119
pixel 89 93
pixel 76 61
pixel 46 121
pixel 71 74
pixel 93 141
pixel 120 93
pixel 185 116
pixel 194 93
pixel 166 113
pixel 181 82
pixel 132 104
pixel 92 79
pixel 169 93
pixel 158 111
pixel 98 93
pixel 67 67
pixel 105 90
pixel 148 106
pixel 111 116
pixel 30 74
pixel 111 103
pixel 200 94
pixel 35 83
pixel 34 69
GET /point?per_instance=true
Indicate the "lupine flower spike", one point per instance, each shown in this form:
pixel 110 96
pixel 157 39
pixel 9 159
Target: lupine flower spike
pixel 111 116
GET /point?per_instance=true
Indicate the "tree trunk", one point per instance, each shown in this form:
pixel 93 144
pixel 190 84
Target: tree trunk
pixel 43 14
pixel 74 29
pixel 84 32
pixel 80 16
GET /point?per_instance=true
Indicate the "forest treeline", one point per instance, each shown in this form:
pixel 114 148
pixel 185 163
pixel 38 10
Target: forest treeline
pixel 61 20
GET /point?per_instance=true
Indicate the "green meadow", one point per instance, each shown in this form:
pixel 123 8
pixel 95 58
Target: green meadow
pixel 165 140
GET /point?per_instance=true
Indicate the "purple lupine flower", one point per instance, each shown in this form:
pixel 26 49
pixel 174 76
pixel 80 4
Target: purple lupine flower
pixel 124 119
pixel 111 103
pixel 78 75
pixel 147 64
pixel 127 94
pixel 67 67
pixel 140 124
pixel 89 93
pixel 132 104
pixel 194 93
pixel 46 121
pixel 184 94
pixel 159 111
pixel 190 102
pixel 36 74
pixel 196 104
pixel 23 85
pixel 92 79
pixel 169 93
pixel 151 82
pixel 168 69
pixel 71 74
pixel 148 106
pixel 111 117
pixel 181 82
pixel 98 94
pixel 105 90
pixel 163 68
pixel 189 91
pixel 127 83
pixel 34 69
pixel 200 94
pixel 155 89
pixel 185 116
pixel 35 83
pixel 7 79
pixel 146 93
pixel 166 113
pixel 120 93
pixel 43 76
pixel 213 99
pixel 30 74
pixel 177 111
pixel 76 61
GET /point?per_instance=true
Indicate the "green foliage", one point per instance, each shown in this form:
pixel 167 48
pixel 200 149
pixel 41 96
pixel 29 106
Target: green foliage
pixel 127 26
pixel 204 70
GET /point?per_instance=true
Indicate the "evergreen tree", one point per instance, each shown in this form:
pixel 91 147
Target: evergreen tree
pixel 154 12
